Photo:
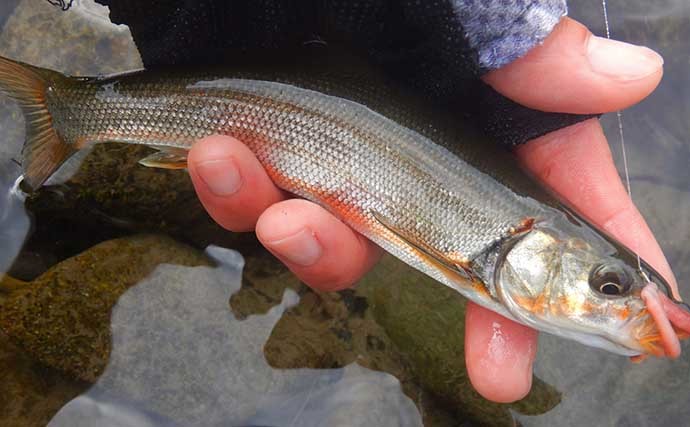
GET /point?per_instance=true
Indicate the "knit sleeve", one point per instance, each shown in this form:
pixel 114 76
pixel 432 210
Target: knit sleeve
pixel 503 30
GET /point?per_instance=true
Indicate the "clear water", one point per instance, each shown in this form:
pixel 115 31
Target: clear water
pixel 178 353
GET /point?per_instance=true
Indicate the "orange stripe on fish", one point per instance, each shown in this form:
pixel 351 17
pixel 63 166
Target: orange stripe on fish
pixel 525 225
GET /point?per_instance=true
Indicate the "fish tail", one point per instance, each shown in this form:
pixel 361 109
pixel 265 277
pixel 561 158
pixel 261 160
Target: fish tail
pixel 44 151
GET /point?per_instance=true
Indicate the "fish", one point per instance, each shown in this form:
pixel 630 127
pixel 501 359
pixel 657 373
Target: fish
pixel 400 170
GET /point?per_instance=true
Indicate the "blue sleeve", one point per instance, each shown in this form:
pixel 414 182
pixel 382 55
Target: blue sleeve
pixel 501 31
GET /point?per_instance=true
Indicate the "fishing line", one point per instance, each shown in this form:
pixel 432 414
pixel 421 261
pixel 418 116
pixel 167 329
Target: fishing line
pixel 619 116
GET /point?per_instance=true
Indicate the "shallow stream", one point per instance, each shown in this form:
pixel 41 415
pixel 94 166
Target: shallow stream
pixel 139 311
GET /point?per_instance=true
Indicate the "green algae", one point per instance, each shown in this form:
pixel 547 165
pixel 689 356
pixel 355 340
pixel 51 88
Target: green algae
pixel 31 392
pixel 63 317
pixel 9 284
pixel 389 323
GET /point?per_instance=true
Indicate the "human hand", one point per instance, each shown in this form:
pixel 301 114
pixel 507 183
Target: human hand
pixel 571 72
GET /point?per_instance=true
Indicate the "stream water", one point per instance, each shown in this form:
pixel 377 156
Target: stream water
pixel 150 350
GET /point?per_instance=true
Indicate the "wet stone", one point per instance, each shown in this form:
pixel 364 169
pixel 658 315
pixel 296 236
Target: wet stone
pixel 88 43
pixel 31 392
pixel 62 318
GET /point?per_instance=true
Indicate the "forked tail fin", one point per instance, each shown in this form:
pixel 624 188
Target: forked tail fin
pixel 44 151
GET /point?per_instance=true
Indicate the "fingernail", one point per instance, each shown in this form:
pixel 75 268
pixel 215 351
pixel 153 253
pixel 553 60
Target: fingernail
pixel 620 60
pixel 300 248
pixel 221 176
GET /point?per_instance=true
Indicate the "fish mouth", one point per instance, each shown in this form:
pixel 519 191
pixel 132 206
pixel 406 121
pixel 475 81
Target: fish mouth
pixel 665 326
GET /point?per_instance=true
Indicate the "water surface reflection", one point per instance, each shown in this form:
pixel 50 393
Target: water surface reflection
pixel 180 357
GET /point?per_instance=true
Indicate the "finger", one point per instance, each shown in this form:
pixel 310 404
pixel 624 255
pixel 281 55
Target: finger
pixel 231 183
pixel 499 354
pixel 574 71
pixel 322 251
pixel 576 163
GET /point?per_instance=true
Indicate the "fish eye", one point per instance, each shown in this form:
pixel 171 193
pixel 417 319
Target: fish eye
pixel 611 280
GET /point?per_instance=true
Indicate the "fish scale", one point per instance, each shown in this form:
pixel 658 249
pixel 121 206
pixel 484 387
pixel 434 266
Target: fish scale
pixel 317 144
pixel 399 170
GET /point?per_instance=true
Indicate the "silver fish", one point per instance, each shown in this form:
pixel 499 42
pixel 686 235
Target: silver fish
pixel 406 175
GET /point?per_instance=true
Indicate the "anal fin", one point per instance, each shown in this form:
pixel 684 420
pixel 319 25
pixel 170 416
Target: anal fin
pixel 166 159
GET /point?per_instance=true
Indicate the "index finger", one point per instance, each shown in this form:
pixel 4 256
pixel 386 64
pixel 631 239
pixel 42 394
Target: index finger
pixel 576 163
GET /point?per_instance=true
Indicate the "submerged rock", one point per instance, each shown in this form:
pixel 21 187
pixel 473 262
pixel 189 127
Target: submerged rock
pixel 180 357
pixel 62 318
pixel 31 393
pixel 389 323
pixel 397 320
pixel 87 42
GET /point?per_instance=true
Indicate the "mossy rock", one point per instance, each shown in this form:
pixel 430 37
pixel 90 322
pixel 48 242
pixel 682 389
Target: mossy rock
pixel 389 323
pixel 426 321
pixel 62 318
pixel 31 392
pixel 111 187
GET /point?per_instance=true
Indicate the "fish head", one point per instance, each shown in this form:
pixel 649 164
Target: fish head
pixel 572 281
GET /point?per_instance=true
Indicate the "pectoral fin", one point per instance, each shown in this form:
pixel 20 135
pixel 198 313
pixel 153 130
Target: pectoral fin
pixel 435 256
pixel 457 271
pixel 169 159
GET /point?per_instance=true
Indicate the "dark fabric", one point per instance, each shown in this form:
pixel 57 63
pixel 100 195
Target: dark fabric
pixel 512 124
pixel 419 42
